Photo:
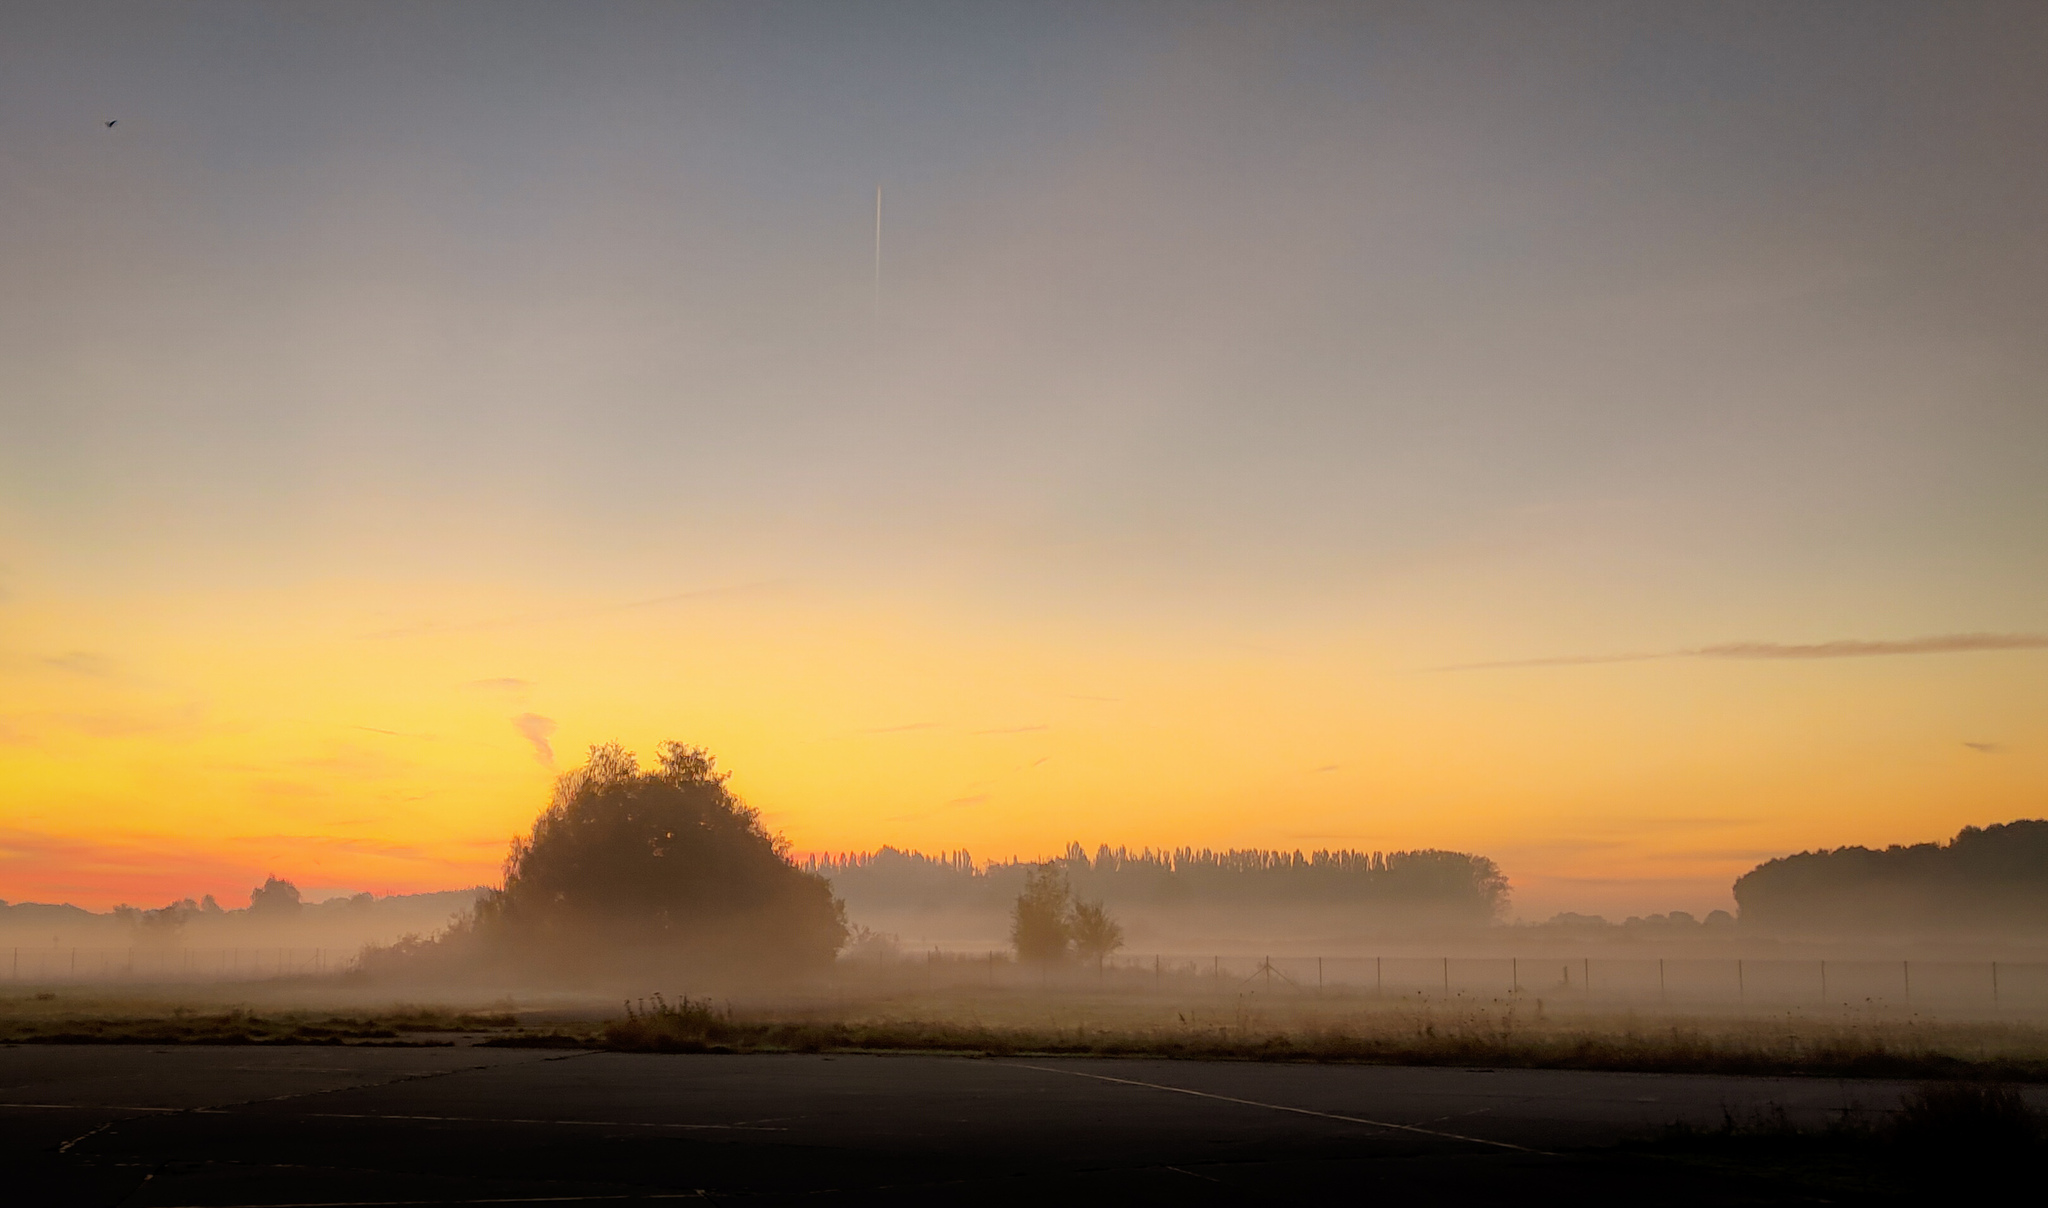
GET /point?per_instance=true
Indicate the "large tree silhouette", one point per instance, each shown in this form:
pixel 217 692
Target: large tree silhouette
pixel 1983 881
pixel 666 865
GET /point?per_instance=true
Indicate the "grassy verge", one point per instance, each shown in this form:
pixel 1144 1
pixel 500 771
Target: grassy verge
pixel 2010 1053
pixel 45 1020
pixel 1497 1034
pixel 1947 1139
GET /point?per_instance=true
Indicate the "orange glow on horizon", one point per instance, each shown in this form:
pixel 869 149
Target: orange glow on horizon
pixel 237 736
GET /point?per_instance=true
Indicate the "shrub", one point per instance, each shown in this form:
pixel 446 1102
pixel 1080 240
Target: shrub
pixel 628 868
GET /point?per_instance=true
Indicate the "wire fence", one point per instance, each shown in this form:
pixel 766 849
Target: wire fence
pixel 1676 981
pixel 1679 981
pixel 81 966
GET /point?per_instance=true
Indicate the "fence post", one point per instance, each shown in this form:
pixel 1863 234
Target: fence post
pixel 1319 973
pixel 1823 982
pixel 1661 995
pixel 1741 993
pixel 1378 982
pixel 1216 969
pixel 1514 974
pixel 1906 967
pixel 1994 983
pixel 1588 991
pixel 1447 977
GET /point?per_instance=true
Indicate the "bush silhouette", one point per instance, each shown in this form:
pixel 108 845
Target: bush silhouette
pixel 1038 922
pixel 627 866
pixel 1966 1139
pixel 1048 923
pixel 274 897
pixel 1096 935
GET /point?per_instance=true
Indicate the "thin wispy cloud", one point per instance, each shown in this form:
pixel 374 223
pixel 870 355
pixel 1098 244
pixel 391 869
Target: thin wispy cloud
pixel 1014 730
pixel 566 614
pixel 537 730
pixel 395 733
pixel 1949 643
pixel 956 803
pixel 24 727
pixel 82 662
pixel 1567 660
pixel 1986 748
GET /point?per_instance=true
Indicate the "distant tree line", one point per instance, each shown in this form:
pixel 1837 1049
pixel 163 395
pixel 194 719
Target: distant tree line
pixel 272 905
pixel 1988 879
pixel 1442 884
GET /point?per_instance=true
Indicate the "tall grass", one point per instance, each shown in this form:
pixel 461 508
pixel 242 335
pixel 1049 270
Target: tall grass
pixel 48 1019
pixel 1248 1029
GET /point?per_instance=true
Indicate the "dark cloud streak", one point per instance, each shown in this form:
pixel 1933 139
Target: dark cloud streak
pixel 1567 660
pixel 1947 643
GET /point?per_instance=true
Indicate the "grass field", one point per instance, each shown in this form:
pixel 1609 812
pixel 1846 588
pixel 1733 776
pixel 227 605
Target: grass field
pixel 1503 1032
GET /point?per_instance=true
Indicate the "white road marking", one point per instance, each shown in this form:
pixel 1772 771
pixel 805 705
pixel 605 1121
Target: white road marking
pixel 518 1120
pixel 527 1199
pixel 1281 1107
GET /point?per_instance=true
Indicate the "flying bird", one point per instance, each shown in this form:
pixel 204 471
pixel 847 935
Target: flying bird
pixel 110 125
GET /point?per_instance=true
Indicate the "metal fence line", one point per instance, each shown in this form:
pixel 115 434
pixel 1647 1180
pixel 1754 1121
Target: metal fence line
pixel 63 965
pixel 1741 982
pixel 1744 982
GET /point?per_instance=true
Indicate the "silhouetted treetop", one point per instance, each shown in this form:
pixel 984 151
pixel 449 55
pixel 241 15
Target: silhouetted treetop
pixel 274 897
pixel 669 857
pixel 1993 878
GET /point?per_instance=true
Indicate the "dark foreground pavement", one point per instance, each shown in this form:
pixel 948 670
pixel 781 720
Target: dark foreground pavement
pixel 145 1128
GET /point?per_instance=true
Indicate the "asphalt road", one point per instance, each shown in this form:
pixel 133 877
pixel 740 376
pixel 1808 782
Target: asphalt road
pixel 147 1127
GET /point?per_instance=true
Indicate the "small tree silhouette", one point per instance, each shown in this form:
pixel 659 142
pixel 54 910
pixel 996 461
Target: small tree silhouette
pixel 274 897
pixel 1039 924
pixel 1049 923
pixel 1095 933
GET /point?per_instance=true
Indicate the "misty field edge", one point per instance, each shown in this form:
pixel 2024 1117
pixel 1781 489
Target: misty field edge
pixel 1595 1057
pixel 1587 1056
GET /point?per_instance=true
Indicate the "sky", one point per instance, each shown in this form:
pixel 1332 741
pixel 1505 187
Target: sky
pixel 1610 438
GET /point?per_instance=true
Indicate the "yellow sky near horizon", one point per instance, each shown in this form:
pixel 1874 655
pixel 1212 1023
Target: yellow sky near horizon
pixel 224 736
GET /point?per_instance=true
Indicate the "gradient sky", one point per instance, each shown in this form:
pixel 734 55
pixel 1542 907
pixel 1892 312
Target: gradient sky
pixel 1273 421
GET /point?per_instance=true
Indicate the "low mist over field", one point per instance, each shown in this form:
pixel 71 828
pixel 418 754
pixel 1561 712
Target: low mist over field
pixel 660 877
